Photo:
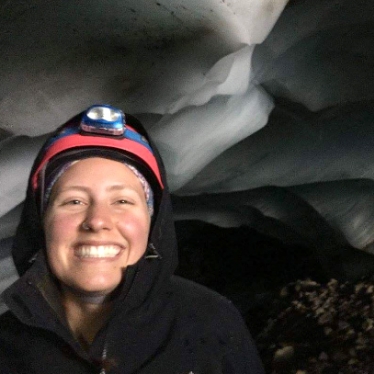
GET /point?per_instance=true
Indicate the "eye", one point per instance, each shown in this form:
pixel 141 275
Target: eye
pixel 73 202
pixel 123 201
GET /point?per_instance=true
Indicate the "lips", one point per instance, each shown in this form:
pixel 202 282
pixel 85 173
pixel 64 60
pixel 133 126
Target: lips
pixel 97 251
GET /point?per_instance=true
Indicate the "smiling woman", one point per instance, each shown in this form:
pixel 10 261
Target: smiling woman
pixel 96 253
pixel 96 224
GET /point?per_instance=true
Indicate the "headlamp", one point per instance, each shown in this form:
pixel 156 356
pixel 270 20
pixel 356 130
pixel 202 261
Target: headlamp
pixel 100 131
pixel 103 120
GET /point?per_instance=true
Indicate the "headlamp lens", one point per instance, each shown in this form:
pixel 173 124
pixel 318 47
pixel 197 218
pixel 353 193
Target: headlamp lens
pixel 103 119
pixel 103 113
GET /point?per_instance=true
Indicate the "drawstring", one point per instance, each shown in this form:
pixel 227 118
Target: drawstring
pixel 103 360
pixel 152 253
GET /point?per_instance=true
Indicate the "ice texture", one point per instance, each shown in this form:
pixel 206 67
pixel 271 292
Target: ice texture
pixel 265 106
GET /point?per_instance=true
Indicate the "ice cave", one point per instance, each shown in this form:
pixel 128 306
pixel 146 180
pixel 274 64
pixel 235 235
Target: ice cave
pixel 262 110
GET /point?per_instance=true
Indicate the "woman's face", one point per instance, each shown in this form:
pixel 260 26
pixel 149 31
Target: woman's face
pixel 96 224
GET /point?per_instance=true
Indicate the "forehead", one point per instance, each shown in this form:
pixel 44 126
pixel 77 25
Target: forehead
pixel 98 171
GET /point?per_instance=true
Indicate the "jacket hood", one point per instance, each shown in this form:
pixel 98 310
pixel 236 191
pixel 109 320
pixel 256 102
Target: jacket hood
pixel 151 271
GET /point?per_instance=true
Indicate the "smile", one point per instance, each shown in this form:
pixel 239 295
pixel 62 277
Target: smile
pixel 100 251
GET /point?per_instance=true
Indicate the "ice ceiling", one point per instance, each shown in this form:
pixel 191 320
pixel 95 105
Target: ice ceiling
pixel 262 109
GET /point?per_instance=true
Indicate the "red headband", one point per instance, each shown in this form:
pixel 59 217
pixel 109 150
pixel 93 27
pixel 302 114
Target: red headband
pixel 77 140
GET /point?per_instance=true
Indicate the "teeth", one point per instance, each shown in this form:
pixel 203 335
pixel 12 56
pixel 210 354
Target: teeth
pixel 101 251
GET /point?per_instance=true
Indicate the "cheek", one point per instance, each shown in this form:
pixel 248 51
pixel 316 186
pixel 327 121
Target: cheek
pixel 136 229
pixel 57 228
pixel 59 231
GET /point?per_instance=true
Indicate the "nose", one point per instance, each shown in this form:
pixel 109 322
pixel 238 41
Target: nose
pixel 98 217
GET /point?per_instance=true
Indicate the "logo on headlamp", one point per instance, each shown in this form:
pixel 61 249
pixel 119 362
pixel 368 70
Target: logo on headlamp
pixel 103 120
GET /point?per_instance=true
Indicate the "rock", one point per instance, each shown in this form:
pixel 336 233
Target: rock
pixel 284 354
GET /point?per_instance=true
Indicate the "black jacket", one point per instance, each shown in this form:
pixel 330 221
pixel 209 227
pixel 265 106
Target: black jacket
pixel 160 323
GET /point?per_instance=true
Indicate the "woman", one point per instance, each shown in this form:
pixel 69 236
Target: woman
pixel 96 252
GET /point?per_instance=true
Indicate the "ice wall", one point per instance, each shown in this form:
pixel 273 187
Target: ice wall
pixel 239 95
pixel 184 67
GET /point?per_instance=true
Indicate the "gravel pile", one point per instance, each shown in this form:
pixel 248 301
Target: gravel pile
pixel 320 328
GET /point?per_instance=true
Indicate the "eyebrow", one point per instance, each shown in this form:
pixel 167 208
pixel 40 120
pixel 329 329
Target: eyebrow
pixel 115 187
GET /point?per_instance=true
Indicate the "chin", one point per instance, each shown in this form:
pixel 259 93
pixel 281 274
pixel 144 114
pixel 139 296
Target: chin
pixel 97 290
pixel 90 290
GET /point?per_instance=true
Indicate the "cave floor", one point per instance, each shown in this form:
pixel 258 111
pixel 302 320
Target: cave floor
pixel 315 328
